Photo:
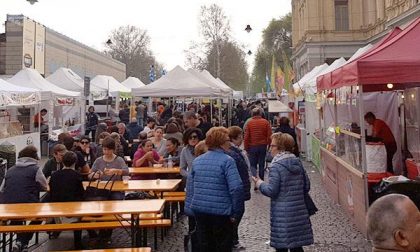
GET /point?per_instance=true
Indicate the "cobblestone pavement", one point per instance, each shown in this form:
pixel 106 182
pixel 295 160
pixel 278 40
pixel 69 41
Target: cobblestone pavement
pixel 333 231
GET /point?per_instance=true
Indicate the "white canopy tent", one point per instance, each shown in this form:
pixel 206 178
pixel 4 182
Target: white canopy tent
pixel 210 81
pixel 276 106
pixel 299 85
pixel 177 83
pixel 133 82
pixel 111 84
pixel 218 82
pixel 360 51
pixel 28 77
pixel 15 95
pixel 53 98
pixel 69 80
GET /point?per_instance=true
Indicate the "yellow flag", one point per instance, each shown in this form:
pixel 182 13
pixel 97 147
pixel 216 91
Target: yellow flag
pixel 273 74
pixel 289 74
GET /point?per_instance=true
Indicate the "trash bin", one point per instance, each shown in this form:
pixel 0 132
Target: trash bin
pixel 409 188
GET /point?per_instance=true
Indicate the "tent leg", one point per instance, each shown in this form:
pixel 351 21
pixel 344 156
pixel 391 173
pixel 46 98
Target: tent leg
pixel 363 144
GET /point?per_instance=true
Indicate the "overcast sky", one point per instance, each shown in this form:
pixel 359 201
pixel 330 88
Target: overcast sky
pixel 171 24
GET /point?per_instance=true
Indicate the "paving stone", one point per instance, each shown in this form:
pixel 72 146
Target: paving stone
pixel 333 231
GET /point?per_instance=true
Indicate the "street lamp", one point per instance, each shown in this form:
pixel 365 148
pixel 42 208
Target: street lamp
pixel 249 52
pixel 108 42
pixel 248 28
pixel 32 1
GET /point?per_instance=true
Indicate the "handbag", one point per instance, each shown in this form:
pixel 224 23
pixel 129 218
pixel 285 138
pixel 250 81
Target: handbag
pixel 310 204
pixel 94 193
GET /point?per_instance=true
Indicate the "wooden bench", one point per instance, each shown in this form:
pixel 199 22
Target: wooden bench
pixel 115 250
pixel 148 216
pixel 144 224
pixel 173 194
pixel 176 198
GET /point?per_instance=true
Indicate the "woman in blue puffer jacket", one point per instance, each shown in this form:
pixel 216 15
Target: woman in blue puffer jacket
pixel 215 193
pixel 291 227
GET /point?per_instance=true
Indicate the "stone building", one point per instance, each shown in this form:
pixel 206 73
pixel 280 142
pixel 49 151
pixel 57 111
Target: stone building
pixel 27 43
pixel 324 30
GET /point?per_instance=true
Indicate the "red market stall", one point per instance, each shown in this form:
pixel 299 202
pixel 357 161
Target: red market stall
pixel 348 160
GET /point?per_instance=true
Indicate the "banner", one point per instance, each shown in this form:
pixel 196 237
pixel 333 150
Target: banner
pixel 19 99
pixel 64 101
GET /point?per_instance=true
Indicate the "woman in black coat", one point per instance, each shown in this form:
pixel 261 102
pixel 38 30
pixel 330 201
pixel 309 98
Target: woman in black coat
pixel 242 164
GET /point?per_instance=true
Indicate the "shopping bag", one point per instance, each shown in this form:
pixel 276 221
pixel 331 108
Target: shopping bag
pixel 94 193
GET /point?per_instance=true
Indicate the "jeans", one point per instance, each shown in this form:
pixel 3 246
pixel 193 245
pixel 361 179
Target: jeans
pixel 256 156
pixel 299 249
pixel 235 235
pixel 24 238
pixel 93 134
pixel 214 233
pixel 192 226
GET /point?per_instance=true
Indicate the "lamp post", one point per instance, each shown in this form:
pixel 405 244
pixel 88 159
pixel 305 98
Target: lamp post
pixel 32 1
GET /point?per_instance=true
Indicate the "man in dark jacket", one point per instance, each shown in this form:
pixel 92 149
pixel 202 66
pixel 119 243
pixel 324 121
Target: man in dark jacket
pixel 66 185
pixel 92 120
pixel 55 163
pixel 124 114
pixel 284 127
pixel 134 128
pixel 191 121
pixel 22 184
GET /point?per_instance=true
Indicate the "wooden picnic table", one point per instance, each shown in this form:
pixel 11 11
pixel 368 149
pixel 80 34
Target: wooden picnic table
pixel 84 208
pixel 154 170
pixel 163 185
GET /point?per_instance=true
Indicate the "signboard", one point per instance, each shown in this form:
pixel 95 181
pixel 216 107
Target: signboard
pixel 86 89
pixel 33 51
pixel 301 106
pixel 39 48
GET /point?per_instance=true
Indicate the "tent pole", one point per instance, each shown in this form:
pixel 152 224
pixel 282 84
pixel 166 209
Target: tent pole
pixel 363 144
pixel 211 111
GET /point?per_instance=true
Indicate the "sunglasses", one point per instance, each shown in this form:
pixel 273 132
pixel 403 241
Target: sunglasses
pixel 84 142
pixel 193 137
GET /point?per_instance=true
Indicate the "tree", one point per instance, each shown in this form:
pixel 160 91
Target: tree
pixel 277 40
pixel 216 51
pixel 130 45
pixel 234 66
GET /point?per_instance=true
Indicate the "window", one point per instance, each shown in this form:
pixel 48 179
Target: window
pixel 341 15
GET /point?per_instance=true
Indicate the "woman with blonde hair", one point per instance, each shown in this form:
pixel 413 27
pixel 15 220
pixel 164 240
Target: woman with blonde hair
pixel 291 228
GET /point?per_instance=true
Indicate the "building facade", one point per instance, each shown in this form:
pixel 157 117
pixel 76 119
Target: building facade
pixel 27 43
pixel 324 30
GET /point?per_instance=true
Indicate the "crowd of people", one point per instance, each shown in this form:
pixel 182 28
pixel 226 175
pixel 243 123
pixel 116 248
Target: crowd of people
pixel 218 166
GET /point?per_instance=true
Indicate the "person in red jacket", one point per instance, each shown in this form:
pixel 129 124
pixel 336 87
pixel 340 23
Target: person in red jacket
pixel 257 138
pixel 381 130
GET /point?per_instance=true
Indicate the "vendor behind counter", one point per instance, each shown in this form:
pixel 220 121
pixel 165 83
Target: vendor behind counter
pixel 382 131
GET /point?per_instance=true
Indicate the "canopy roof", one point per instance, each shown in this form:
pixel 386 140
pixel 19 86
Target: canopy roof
pixel 276 106
pixel 218 82
pixel 394 59
pixel 15 95
pixel 211 81
pixel 316 70
pixel 9 87
pixel 28 77
pixel 177 82
pixel 132 82
pixel 310 85
pixel 109 83
pixel 67 79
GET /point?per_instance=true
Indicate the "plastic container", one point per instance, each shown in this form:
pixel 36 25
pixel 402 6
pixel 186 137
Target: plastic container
pixel 170 162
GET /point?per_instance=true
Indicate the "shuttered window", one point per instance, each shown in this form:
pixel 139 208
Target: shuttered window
pixel 341 15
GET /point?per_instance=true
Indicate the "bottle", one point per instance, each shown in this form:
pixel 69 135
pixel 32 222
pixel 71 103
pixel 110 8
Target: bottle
pixel 170 162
